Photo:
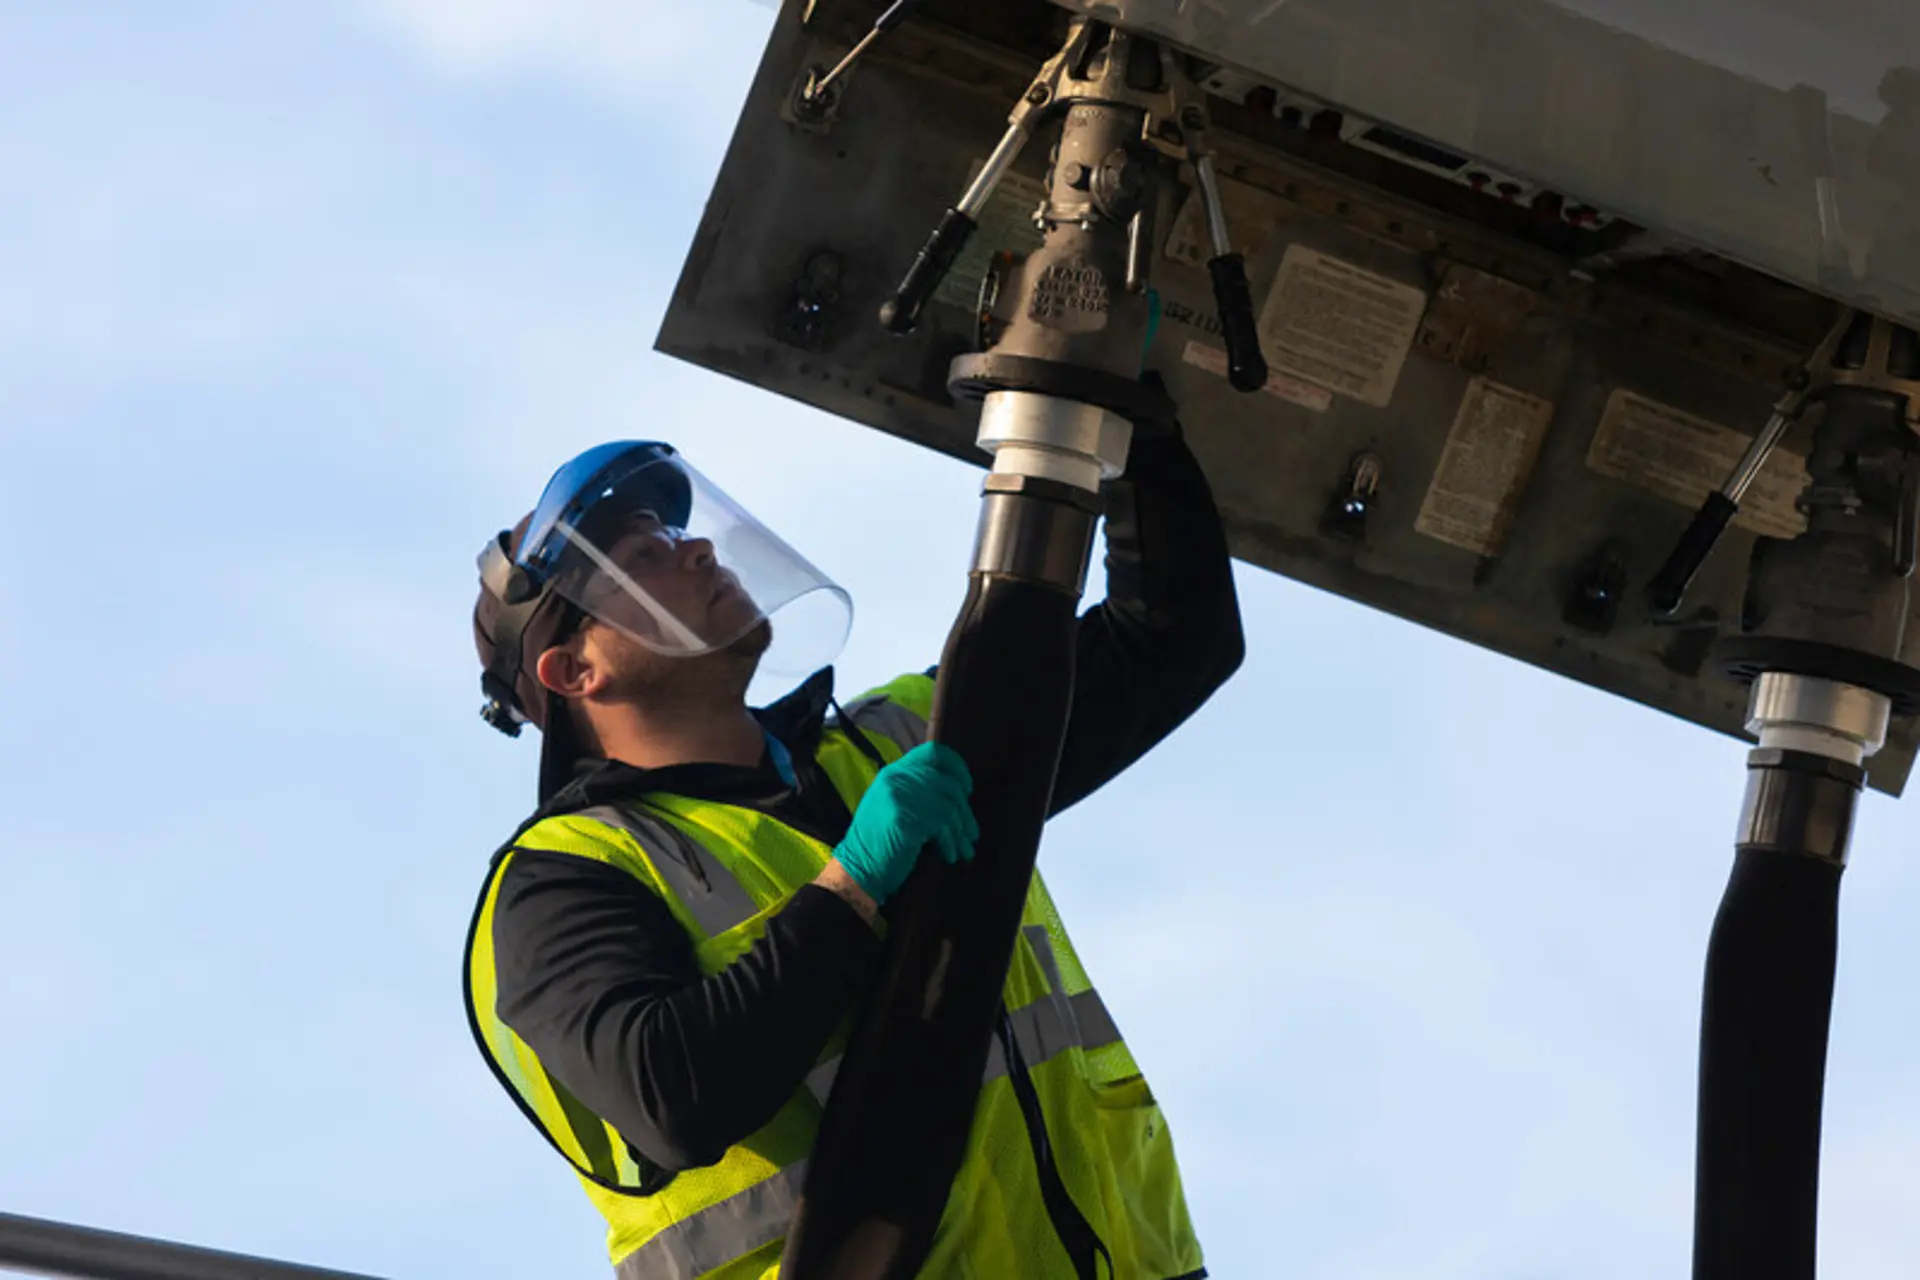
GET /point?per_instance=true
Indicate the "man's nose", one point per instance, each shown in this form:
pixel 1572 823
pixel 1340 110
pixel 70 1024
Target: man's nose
pixel 696 553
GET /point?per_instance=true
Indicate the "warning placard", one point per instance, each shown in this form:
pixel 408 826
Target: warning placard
pixel 1005 224
pixel 1489 457
pixel 1340 325
pixel 1682 458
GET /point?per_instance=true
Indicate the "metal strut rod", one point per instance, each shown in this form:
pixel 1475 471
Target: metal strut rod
pixel 896 13
pixel 46 1248
pixel 1669 586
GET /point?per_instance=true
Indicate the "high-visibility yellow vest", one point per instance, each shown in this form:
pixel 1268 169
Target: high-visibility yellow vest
pixel 724 871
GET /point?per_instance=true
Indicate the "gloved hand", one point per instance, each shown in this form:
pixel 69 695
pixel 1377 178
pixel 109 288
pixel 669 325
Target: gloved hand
pixel 919 799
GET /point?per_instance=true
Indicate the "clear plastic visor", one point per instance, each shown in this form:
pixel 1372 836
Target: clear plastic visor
pixel 649 546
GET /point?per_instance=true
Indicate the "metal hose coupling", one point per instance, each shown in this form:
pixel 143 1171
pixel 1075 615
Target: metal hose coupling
pixel 1049 438
pixel 1804 778
pixel 1820 717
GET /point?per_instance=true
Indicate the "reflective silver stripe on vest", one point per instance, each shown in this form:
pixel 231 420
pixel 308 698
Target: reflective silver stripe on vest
pixel 877 713
pixel 1042 943
pixel 1092 1027
pixel 710 893
pixel 1050 1025
pixel 1097 1027
pixel 1041 1030
pixel 719 1233
pixel 820 1079
pixel 1046 1028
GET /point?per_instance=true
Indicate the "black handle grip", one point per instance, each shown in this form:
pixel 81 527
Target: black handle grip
pixel 1246 366
pixel 901 312
pixel 1669 586
pixel 1906 522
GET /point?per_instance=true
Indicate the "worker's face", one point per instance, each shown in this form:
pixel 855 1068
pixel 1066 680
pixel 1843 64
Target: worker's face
pixel 683 580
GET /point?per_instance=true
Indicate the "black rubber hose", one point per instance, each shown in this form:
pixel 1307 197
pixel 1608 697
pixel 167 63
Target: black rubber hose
pixel 1669 586
pixel 896 1124
pixel 901 312
pixel 1233 296
pixel 1763 1040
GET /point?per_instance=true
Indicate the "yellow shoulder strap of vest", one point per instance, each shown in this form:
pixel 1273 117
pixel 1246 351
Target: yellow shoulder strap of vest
pixel 582 836
pixel 913 692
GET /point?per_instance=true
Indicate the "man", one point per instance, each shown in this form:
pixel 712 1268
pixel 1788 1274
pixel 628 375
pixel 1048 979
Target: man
pixel 666 958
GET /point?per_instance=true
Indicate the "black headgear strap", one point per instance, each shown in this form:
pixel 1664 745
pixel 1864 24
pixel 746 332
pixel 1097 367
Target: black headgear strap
pixel 521 597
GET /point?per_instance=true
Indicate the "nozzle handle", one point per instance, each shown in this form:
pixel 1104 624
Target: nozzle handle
pixel 1906 522
pixel 1669 586
pixel 1246 366
pixel 901 312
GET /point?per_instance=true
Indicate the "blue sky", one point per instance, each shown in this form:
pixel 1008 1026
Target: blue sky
pixel 299 303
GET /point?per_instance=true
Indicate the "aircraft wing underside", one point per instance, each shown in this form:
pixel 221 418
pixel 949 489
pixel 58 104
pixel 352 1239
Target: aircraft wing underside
pixel 1528 281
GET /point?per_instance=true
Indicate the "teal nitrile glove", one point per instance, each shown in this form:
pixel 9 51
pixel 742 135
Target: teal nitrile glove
pixel 919 799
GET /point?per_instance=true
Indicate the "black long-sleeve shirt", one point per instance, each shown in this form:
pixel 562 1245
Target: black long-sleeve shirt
pixel 599 979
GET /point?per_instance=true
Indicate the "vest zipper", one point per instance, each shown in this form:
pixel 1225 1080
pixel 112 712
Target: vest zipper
pixel 1077 1236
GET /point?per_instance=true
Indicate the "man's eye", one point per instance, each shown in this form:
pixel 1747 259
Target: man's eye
pixel 651 548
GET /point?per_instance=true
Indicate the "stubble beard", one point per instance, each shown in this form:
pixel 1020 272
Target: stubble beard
pixel 657 679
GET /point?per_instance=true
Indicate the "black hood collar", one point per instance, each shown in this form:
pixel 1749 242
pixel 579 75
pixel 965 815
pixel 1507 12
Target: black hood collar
pixel 796 719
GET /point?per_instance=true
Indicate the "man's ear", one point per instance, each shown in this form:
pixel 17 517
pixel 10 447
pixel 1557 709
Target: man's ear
pixel 567 671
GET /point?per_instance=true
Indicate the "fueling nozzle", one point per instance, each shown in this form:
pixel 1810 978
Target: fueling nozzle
pixel 1060 392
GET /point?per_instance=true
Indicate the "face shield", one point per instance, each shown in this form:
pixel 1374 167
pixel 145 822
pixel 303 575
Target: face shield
pixel 636 538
